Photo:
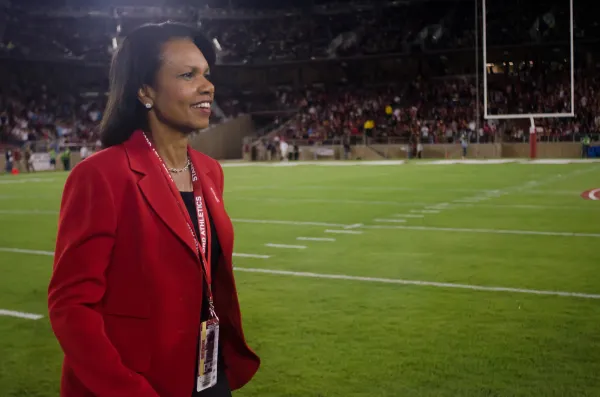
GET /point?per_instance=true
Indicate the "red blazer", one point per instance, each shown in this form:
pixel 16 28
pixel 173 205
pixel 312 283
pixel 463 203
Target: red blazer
pixel 125 295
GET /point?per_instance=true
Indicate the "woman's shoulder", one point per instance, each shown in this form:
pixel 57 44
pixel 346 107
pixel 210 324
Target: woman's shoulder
pixel 109 163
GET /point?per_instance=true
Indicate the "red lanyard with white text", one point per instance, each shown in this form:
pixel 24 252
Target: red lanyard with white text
pixel 203 224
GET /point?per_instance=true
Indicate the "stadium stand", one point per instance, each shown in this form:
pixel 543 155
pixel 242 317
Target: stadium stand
pixel 314 72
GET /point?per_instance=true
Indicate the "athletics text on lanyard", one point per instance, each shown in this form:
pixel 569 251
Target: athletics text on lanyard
pixel 208 343
pixel 203 227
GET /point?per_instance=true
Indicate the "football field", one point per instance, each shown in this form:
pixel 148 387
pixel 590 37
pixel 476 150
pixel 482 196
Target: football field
pixel 416 280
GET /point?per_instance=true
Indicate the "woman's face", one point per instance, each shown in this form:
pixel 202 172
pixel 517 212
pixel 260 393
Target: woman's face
pixel 182 96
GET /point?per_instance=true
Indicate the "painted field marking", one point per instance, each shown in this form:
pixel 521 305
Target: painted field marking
pixel 25 251
pixel 288 223
pixel 50 253
pixel 419 283
pixel 438 206
pixel 526 207
pixel 239 255
pixel 484 231
pixel 593 194
pixel 285 246
pixel 356 225
pixel 409 215
pixel 489 194
pixel 328 201
pixel 390 220
pixel 28 316
pixel 386 203
pixel 343 231
pixel 433 228
pixel 28 212
pixel 424 228
pixel 27 180
pixel 315 239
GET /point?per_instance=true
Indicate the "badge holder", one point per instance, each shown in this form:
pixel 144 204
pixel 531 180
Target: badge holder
pixel 208 359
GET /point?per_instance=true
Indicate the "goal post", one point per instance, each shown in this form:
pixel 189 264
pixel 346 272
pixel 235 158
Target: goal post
pixel 530 116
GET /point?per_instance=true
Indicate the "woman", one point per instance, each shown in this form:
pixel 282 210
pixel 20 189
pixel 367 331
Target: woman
pixel 142 271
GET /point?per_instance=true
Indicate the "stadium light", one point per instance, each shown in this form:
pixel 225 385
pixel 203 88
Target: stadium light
pixel 217 44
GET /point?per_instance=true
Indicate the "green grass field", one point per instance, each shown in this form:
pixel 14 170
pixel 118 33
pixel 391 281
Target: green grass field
pixel 371 331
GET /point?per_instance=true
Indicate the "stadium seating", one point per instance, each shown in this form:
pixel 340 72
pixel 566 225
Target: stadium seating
pixel 344 55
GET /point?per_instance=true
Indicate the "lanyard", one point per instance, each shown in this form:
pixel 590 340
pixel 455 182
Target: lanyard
pixel 203 224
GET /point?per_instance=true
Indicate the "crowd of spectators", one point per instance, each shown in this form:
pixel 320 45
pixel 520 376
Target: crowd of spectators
pixel 445 110
pixel 431 111
pixel 52 103
pixel 320 31
pixel 37 103
pixel 36 108
pixel 56 104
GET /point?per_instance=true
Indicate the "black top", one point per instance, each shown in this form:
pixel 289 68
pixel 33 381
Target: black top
pixel 221 389
pixel 215 247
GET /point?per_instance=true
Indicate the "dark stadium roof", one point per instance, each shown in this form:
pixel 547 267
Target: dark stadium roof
pixel 202 3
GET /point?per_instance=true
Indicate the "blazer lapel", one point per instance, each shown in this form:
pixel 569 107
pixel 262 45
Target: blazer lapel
pixel 157 190
pixel 215 205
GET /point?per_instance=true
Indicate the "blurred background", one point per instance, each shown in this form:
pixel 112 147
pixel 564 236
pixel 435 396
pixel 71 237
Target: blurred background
pixel 320 72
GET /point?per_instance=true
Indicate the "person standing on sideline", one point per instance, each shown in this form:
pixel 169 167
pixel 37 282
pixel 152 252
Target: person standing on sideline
pixel 419 149
pixel 464 144
pixel 585 146
pixel 65 157
pixel 142 297
pixel 8 161
pixel 84 152
pixel 52 153
pixel 28 159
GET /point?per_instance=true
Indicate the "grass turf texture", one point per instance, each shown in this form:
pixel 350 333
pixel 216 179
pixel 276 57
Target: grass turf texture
pixel 324 337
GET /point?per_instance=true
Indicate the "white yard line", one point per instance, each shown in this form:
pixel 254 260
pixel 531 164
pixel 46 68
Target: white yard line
pixel 326 201
pixel 28 212
pixel 425 228
pixel 285 246
pixel 27 180
pixel 432 190
pixel 239 255
pixel 288 223
pixel 435 209
pixel 343 231
pixel 484 231
pixel 28 316
pixel 419 283
pixel 315 239
pixel 409 215
pixel 456 204
pixel 50 253
pixel 25 251
pixel 528 207
pixel 390 220
pixel 356 225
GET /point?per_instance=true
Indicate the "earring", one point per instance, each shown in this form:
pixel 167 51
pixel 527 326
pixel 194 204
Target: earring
pixel 148 105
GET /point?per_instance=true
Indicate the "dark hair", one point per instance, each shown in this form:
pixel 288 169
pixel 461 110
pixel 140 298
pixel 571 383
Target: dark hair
pixel 135 64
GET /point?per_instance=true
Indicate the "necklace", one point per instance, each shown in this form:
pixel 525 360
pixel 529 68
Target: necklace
pixel 178 170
